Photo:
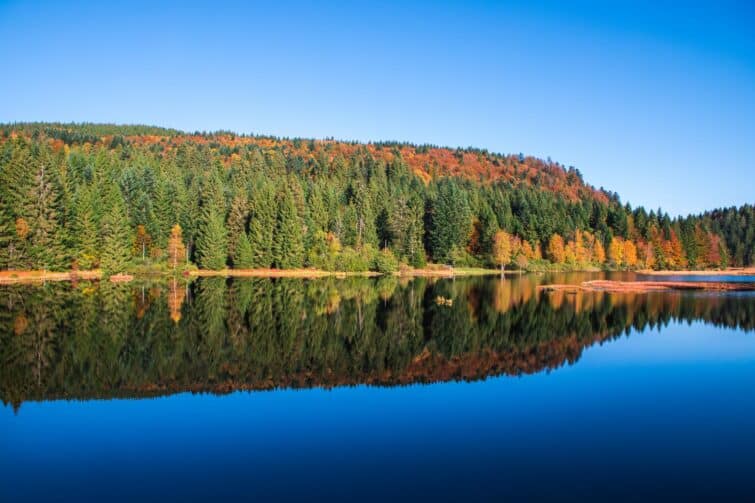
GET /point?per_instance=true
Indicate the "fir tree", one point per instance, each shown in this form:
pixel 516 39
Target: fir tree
pixel 244 255
pixel 87 239
pixel 212 241
pixel 262 225
pixel 114 231
pixel 237 219
pixel 288 241
pixel 45 246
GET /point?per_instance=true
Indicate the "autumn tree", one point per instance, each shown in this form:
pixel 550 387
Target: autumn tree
pixel 502 249
pixel 176 247
pixel 556 249
pixel 598 252
pixel 629 254
pixel 142 242
pixel 616 251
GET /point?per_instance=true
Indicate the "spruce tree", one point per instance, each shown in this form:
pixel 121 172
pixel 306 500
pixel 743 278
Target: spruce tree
pixel 451 221
pixel 288 241
pixel 45 244
pixel 262 225
pixel 244 255
pixel 212 241
pixel 114 231
pixel 86 238
pixel 237 225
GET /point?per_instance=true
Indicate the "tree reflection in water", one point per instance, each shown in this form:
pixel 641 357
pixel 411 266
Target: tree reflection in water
pixel 102 340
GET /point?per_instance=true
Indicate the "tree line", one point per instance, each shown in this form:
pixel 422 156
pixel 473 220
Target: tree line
pixel 123 197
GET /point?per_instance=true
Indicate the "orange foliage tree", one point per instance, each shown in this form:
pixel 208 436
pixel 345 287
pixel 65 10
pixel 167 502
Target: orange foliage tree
pixel 556 249
pixel 176 247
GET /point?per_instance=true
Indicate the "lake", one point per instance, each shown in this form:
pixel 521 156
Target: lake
pixel 374 389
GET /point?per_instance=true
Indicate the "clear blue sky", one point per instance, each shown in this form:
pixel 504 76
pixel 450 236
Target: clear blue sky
pixel 653 100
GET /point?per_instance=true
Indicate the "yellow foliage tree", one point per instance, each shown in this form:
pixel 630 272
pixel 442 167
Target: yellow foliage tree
pixel 598 252
pixel 176 247
pixel 502 248
pixel 616 251
pixel 630 253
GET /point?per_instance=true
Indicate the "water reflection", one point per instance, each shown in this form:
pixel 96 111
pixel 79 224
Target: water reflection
pixel 102 340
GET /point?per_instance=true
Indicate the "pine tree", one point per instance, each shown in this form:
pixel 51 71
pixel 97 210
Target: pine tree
pixel 114 231
pixel 244 253
pixel 450 221
pixel 212 241
pixel 262 225
pixel 15 188
pixel 86 236
pixel 288 241
pixel 237 219
pixel 45 244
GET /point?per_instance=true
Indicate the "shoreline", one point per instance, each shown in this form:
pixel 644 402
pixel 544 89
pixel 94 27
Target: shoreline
pixel 8 277
pixel 733 271
pixel 38 276
pixel 608 286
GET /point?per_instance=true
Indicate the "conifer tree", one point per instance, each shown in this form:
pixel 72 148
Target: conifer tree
pixel 114 231
pixel 212 241
pixel 288 241
pixel 87 239
pixel 45 246
pixel 244 255
pixel 262 225
pixel 450 221
pixel 237 219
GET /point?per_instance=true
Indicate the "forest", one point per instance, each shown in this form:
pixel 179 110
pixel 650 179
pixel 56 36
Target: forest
pixel 131 198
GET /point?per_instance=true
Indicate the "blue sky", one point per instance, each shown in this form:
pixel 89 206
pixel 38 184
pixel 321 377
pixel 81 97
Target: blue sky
pixel 651 99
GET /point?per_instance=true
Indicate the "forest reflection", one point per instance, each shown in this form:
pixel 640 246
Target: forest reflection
pixel 103 340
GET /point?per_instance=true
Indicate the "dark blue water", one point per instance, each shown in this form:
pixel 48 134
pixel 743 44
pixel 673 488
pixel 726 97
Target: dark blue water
pixel 665 412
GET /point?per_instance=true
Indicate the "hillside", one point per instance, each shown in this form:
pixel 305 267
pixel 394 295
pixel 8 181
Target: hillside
pixel 124 197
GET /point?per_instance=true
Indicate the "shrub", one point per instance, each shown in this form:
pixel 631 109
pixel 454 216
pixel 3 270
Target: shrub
pixel 386 262
pixel 351 260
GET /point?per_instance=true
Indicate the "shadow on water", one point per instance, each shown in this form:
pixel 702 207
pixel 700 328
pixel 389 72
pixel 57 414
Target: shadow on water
pixel 103 340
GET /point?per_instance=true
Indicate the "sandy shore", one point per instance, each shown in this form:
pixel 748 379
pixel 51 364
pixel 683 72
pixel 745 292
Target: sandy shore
pixel 7 277
pixel 733 271
pixel 646 286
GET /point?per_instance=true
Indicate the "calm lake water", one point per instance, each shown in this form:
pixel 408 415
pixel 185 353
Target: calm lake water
pixel 371 389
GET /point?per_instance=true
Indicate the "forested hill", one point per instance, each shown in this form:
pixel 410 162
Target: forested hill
pixel 122 197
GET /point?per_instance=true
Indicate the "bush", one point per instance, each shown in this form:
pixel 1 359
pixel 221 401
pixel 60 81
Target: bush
pixel 461 258
pixel 386 262
pixel 351 260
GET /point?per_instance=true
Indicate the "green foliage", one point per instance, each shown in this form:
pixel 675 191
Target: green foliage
pixel 351 260
pixel 212 247
pixel 386 262
pixel 114 232
pixel 451 221
pixel 244 253
pixel 288 241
